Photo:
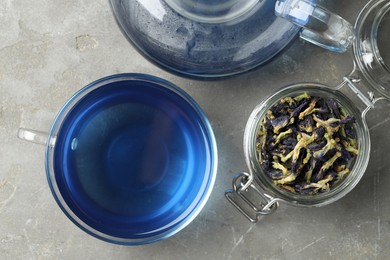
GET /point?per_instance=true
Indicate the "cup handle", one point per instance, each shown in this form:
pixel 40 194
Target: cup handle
pixel 33 136
pixel 320 26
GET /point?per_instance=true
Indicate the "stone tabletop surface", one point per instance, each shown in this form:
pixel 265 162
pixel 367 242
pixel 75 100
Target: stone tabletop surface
pixel 51 49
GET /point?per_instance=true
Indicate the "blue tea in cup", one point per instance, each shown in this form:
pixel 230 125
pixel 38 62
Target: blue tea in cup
pixel 130 158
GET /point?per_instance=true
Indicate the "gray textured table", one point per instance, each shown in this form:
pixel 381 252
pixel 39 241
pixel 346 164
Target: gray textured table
pixel 50 49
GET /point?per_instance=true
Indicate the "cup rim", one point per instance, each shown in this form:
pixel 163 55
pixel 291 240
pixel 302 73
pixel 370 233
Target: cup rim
pixel 189 214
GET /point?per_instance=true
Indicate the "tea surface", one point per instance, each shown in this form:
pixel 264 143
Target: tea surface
pixel 131 158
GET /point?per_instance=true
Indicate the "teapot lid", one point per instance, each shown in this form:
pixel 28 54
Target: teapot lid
pixel 204 47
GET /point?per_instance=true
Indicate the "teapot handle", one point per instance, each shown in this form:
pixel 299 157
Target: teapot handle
pixel 320 26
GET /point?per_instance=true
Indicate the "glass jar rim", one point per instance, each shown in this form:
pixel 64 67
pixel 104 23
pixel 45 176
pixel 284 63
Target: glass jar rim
pixel 265 182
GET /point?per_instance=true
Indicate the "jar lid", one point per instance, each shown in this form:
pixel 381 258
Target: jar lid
pixel 371 48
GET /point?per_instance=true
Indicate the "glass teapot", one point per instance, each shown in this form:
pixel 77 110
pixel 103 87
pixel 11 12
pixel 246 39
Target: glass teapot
pixel 216 38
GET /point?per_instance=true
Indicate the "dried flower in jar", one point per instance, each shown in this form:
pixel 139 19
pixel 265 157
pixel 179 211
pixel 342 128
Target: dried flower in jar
pixel 306 144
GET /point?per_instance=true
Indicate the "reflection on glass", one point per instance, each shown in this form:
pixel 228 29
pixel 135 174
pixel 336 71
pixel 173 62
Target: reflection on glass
pixel 384 40
pixel 212 11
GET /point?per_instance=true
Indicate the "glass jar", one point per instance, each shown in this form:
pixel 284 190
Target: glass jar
pixel 368 83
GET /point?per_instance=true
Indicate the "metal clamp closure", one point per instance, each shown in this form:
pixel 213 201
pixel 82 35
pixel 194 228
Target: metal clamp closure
pixel 244 191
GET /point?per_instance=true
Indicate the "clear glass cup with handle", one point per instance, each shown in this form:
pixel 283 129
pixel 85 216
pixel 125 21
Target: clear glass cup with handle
pixel 130 158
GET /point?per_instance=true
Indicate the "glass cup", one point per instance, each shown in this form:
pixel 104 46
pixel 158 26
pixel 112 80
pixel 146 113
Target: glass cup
pixel 130 159
pixel 253 193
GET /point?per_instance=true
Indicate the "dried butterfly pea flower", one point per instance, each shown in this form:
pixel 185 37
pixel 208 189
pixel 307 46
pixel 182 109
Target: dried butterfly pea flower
pixel 282 136
pixel 305 144
pixel 308 110
pixel 307 124
pixel 334 108
pixel 305 95
pixel 328 164
pixel 299 109
pixel 279 123
pixel 316 146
